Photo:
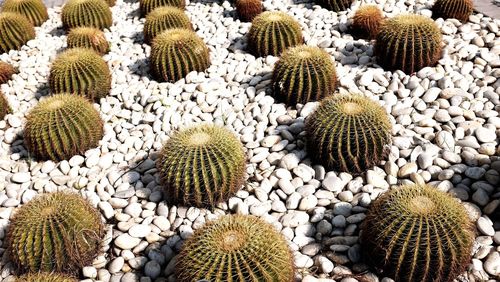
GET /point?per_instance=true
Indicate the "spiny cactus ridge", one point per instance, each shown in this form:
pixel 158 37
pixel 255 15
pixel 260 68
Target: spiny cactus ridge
pixel 366 21
pixel 457 9
pixel 34 10
pixel 335 5
pixel 417 233
pixel 15 31
pixel 91 13
pixel 163 18
pixel 6 72
pixel 147 6
pixel 4 106
pixel 88 37
pixel 235 248
pixel 45 277
pixel 248 9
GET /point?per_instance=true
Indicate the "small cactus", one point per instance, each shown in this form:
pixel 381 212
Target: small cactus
pixel 34 10
pixel 163 18
pixel 201 166
pixel 272 32
pixel 15 31
pixel 248 9
pixel 177 52
pixel 58 232
pixel 235 248
pixel 408 43
pixel 88 37
pixel 147 6
pixel 459 9
pixel 366 21
pixel 80 71
pixel 62 126
pixel 45 277
pixel 111 3
pixel 348 133
pixel 417 233
pixel 6 72
pixel 335 5
pixel 304 74
pixel 4 106
pixel 90 13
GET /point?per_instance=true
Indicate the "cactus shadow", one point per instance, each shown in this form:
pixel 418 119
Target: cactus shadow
pixel 17 147
pixel 238 44
pixel 138 38
pixel 140 68
pixel 57 31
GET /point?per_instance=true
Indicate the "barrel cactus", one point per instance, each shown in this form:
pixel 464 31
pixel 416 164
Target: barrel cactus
pixel 16 30
pixel 366 21
pixel 34 10
pixel 201 166
pixel 235 248
pixel 45 277
pixel 4 106
pixel 248 9
pixel 111 3
pixel 6 72
pixel 147 6
pixel 417 233
pixel 304 74
pixel 91 13
pixel 80 71
pixel 163 18
pixel 88 37
pixel 348 133
pixel 177 52
pixel 335 5
pixel 62 126
pixel 408 43
pixel 458 9
pixel 272 32
pixel 58 232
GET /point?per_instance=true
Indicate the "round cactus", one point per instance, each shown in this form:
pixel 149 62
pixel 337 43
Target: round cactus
pixel 304 74
pixel 177 52
pixel 348 133
pixel 335 5
pixel 248 9
pixel 366 21
pixel 62 126
pixel 459 9
pixel 6 72
pixel 408 43
pixel 80 71
pixel 91 13
pixel 58 232
pixel 15 30
pixel 163 18
pixel 235 248
pixel 147 6
pixel 201 166
pixel 272 32
pixel 417 233
pixel 45 277
pixel 34 10
pixel 4 106
pixel 88 37
pixel 111 3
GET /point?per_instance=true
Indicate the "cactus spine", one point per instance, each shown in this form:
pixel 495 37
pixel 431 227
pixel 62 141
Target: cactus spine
pixel 458 9
pixel 147 6
pixel 248 9
pixel 45 277
pixel 88 37
pixel 16 30
pixel 163 18
pixel 34 10
pixel 4 106
pixel 6 72
pixel 335 5
pixel 91 13
pixel 366 21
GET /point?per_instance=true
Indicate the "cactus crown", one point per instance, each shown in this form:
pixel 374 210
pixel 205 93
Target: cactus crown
pixel 335 5
pixel 245 247
pixel 6 72
pixel 147 6
pixel 16 30
pixel 45 277
pixel 418 233
pixel 34 10
pixel 202 166
pixel 248 9
pixel 88 37
pixel 304 74
pixel 58 232
pixel 458 9
pixel 366 21
pixel 91 13
pixel 163 18
pixel 272 32
pixel 4 106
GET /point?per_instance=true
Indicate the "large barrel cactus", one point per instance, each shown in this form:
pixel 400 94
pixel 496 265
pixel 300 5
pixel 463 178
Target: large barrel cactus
pixel 80 71
pixel 272 32
pixel 248 9
pixel 15 31
pixel 163 18
pixel 34 10
pixel 88 37
pixel 58 232
pixel 417 233
pixel 177 52
pixel 457 9
pixel 6 72
pixel 45 277
pixel 201 166
pixel 235 248
pixel 62 126
pixel 348 133
pixel 4 106
pixel 147 6
pixel 335 5
pixel 304 74
pixel 366 21
pixel 91 13
pixel 408 43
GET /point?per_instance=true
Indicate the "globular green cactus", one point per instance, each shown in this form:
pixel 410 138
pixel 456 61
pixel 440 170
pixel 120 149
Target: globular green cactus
pixel 177 52
pixel 366 21
pixel 457 9
pixel 45 277
pixel 91 13
pixel 248 9
pixel 163 18
pixel 417 233
pixel 304 74
pixel 58 232
pixel 201 166
pixel 348 133
pixel 34 10
pixel 235 248
pixel 15 31
pixel 88 37
pixel 335 5
pixel 6 72
pixel 80 71
pixel 4 106
pixel 147 6
pixel 408 43
pixel 62 126
pixel 272 32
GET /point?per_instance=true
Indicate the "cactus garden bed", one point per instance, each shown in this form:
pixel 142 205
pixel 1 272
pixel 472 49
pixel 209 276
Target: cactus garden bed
pixel 159 140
